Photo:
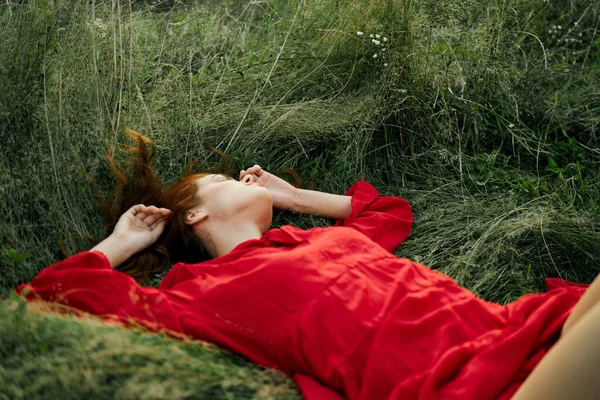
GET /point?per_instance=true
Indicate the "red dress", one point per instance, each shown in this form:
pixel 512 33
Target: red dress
pixel 334 308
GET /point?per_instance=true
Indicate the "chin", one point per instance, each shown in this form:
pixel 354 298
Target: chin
pixel 266 196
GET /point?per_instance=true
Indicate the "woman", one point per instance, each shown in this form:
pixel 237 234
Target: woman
pixel 331 306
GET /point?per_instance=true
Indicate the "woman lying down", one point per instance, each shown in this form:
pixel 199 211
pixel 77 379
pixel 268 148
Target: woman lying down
pixel 333 307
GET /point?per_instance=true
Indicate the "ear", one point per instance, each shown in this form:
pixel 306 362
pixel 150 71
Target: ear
pixel 194 216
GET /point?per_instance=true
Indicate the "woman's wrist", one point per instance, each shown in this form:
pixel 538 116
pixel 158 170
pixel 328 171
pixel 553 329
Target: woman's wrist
pixel 115 249
pixel 334 206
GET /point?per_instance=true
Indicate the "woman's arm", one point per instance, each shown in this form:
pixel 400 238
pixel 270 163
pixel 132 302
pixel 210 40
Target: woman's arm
pixel 334 206
pixel 115 249
pixel 288 197
pixel 387 220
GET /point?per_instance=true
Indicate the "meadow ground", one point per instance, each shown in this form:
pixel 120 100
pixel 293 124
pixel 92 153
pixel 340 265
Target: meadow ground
pixel 484 114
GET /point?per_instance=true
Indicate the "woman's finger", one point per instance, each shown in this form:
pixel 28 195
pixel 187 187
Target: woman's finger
pixel 151 219
pixel 148 215
pixel 157 223
pixel 154 214
pixel 251 170
pixel 136 209
pixel 256 169
pixel 142 212
pixel 152 209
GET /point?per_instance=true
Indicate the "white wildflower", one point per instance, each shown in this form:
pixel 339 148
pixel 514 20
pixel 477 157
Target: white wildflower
pixel 100 25
pixel 384 49
pixel 377 42
pixel 377 35
pixel 359 33
pixel 559 27
pixel 511 125
pixel 371 35
pixel 385 64
pixel 374 55
pixel 385 39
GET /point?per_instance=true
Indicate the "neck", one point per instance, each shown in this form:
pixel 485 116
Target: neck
pixel 224 238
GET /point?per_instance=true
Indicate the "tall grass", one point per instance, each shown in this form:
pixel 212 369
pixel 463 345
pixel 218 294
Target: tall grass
pixel 486 118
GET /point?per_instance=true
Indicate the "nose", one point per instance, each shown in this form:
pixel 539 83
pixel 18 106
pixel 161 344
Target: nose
pixel 248 179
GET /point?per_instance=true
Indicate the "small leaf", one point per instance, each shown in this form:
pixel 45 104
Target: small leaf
pixel 22 256
pixel 17 256
pixel 553 166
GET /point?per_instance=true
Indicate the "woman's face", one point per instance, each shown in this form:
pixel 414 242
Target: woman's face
pixel 226 199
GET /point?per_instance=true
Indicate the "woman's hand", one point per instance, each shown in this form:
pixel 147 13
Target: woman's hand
pixel 284 194
pixel 140 226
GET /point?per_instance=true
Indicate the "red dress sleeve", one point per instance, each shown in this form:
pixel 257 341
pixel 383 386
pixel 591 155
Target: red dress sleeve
pixel 387 220
pixel 87 282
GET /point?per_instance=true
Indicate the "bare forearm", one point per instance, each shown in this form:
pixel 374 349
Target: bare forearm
pixel 115 250
pixel 334 206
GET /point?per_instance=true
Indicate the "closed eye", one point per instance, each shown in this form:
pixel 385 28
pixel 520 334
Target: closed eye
pixel 219 178
pixel 227 177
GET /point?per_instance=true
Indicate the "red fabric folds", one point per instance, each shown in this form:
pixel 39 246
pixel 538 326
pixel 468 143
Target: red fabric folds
pixel 386 220
pixel 334 308
pixel 312 389
pixel 87 282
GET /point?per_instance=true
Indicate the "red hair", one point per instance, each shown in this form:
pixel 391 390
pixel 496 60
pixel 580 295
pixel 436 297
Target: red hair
pixel 177 243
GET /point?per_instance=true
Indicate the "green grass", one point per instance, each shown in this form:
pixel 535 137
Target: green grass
pixel 48 356
pixel 486 119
